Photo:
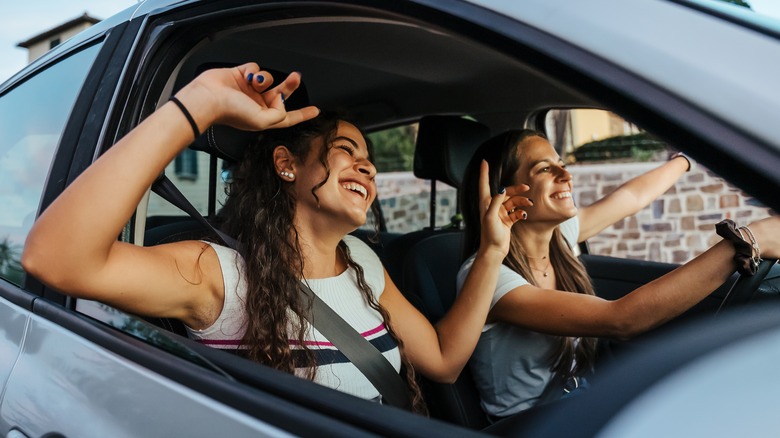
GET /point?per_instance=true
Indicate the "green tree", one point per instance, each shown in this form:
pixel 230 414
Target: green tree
pixel 393 149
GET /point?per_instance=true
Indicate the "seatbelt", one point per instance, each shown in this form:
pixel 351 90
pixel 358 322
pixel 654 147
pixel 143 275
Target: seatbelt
pixel 358 350
pixel 343 336
pixel 168 191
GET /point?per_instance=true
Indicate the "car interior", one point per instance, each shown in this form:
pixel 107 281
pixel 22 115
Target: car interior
pixel 385 70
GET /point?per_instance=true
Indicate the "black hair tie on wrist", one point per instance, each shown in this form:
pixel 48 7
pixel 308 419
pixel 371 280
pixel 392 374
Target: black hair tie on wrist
pixel 187 114
pixel 744 251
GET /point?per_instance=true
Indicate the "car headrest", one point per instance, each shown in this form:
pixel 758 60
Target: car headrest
pixel 444 147
pixel 225 142
pixel 229 143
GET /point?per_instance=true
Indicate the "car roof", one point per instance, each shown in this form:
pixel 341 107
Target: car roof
pixel 385 71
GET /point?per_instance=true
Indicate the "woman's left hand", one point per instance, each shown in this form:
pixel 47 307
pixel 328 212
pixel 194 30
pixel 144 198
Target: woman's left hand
pixel 499 213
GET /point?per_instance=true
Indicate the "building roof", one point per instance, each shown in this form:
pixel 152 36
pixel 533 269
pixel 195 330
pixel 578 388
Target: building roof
pixel 85 18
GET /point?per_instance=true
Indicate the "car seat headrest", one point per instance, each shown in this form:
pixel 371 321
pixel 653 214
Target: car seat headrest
pixel 225 142
pixel 444 147
pixel 229 143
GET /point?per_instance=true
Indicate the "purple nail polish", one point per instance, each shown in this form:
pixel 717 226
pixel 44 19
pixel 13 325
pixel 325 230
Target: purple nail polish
pixel 249 78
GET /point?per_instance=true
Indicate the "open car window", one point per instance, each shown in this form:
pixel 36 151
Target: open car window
pixel 602 150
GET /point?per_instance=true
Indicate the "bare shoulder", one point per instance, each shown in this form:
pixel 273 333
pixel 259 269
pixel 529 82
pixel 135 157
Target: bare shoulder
pixel 181 280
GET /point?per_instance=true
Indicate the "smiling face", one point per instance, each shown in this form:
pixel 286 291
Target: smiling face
pixel 344 198
pixel 551 186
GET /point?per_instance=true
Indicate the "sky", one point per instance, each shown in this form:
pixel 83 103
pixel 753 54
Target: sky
pixel 25 19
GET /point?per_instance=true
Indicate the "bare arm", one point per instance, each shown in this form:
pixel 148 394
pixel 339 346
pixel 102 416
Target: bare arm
pixel 573 314
pixel 72 246
pixel 441 352
pixel 629 198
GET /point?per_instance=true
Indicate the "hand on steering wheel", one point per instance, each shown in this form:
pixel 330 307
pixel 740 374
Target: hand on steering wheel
pixel 744 289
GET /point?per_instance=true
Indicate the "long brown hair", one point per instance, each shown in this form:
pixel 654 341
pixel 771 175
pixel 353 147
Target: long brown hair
pixel 502 155
pixel 259 213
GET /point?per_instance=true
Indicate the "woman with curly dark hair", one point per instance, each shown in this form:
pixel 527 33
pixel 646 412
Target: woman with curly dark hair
pixel 296 195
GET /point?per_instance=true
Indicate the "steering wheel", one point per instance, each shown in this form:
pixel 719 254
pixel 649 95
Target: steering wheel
pixel 745 287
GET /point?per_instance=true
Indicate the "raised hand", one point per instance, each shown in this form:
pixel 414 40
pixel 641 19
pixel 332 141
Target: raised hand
pixel 499 212
pixel 243 97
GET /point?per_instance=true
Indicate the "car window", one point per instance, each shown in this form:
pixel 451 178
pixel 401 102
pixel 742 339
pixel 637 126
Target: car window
pixel 32 117
pixel 404 198
pixel 602 151
pixel 189 171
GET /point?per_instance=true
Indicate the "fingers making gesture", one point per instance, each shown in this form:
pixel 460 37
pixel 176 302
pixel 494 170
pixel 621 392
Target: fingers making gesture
pixel 499 212
pixel 243 97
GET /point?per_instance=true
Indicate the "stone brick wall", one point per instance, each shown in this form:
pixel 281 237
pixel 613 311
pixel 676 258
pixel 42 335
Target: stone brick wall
pixel 675 228
pixel 405 201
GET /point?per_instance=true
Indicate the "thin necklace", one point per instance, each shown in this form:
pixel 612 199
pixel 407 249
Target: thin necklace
pixel 543 271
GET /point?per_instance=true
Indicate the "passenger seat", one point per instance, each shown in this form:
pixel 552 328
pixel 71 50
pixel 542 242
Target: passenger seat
pixel 429 259
pixel 442 151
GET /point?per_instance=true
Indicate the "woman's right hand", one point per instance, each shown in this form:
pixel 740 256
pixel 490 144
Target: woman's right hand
pixel 235 97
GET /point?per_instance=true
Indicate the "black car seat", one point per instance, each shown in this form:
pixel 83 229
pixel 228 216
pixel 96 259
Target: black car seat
pixel 430 258
pixel 429 270
pixel 443 148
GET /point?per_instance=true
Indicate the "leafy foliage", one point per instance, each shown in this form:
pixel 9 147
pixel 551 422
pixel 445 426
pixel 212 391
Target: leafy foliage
pixel 394 148
pixel 635 147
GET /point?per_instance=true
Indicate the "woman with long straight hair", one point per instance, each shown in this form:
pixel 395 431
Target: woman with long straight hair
pixel 544 317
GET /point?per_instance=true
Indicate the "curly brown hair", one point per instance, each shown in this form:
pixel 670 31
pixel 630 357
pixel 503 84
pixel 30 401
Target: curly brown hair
pixel 501 154
pixel 259 213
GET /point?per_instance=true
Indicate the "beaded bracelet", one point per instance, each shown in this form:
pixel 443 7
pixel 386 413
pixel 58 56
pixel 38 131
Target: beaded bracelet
pixel 756 250
pixel 747 262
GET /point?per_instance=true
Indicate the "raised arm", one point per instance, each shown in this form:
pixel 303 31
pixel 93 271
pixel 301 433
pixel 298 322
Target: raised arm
pixel 631 197
pixel 72 246
pixel 573 314
pixel 441 352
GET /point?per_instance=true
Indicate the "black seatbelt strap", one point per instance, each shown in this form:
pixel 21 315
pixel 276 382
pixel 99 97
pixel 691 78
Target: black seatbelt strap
pixel 358 350
pixel 168 191
pixel 343 336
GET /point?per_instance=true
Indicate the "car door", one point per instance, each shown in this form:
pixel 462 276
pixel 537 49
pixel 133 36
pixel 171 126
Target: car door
pixel 33 114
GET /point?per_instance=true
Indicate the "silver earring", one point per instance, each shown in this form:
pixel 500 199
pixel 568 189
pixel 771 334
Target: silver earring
pixel 288 175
